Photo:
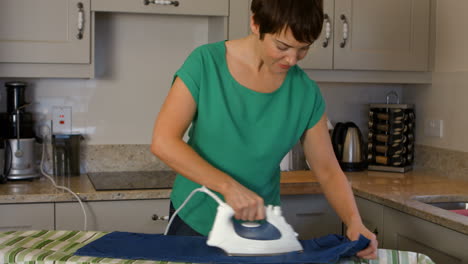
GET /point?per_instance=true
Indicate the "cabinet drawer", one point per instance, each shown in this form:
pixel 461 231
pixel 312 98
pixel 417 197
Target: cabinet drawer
pixel 410 233
pixel 310 215
pixel 128 215
pixel 184 7
pixel 26 216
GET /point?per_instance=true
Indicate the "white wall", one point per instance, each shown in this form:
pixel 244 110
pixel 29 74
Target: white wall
pixel 447 98
pixel 350 102
pixel 137 57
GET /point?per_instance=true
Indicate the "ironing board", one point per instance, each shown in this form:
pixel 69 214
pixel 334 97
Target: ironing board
pixel 46 246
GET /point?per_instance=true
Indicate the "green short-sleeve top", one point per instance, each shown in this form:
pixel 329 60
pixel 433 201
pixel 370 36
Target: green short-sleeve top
pixel 242 132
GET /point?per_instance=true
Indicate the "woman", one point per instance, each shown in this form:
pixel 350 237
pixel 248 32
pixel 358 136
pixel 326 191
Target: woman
pixel 248 104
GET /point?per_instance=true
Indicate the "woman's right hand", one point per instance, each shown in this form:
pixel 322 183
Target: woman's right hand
pixel 247 205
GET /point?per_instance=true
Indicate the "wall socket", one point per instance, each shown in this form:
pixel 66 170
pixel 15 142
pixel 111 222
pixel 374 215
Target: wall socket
pixel 434 128
pixel 61 120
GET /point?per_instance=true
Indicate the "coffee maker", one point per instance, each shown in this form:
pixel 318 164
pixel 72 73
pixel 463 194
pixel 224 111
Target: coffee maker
pixel 18 137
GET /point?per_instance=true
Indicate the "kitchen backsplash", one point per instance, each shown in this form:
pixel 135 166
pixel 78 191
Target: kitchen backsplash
pixel 109 158
pixel 454 164
pixel 97 158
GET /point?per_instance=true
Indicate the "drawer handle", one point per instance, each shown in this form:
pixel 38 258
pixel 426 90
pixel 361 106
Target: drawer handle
pixel 156 217
pixel 161 2
pixel 327 30
pixel 81 20
pixel 345 30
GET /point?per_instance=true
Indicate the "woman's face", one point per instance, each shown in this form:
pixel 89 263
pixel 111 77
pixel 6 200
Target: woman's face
pixel 281 51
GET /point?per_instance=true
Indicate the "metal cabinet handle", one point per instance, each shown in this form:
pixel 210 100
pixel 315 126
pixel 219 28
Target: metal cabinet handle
pixel 345 30
pixel 161 2
pixel 156 217
pixel 327 30
pixel 81 20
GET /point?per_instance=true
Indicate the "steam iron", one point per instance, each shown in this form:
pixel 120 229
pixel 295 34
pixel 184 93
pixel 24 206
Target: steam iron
pixel 273 237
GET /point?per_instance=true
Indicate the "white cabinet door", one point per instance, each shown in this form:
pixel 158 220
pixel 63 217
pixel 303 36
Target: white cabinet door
pixel 390 35
pixel 45 31
pixel 320 55
pixel 126 215
pixel 406 232
pixel 382 35
pixel 310 215
pixel 36 216
pixel 239 19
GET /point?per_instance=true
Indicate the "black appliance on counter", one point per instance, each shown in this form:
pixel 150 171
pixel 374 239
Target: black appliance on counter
pixel 17 136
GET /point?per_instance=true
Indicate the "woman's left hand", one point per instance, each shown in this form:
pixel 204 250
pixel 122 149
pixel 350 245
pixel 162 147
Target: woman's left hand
pixel 353 233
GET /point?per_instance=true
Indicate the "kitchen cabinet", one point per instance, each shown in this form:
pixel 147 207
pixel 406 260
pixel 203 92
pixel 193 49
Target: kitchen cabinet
pixel 35 216
pixel 389 35
pixel 46 38
pixel 239 19
pixel 372 215
pixel 406 232
pixel 53 38
pixel 179 7
pixel 310 215
pixel 217 11
pixel 142 216
pixel 387 41
pixel 401 231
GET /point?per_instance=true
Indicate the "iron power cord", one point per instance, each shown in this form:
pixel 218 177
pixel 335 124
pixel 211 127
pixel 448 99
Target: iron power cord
pixel 201 189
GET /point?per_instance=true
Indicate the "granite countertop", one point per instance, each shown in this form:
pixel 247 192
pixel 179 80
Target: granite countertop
pixel 41 190
pixel 394 190
pixel 406 192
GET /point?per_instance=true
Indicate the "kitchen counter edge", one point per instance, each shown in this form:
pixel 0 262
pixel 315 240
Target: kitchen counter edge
pixel 393 190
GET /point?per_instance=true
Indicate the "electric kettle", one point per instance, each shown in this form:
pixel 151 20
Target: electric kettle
pixel 348 146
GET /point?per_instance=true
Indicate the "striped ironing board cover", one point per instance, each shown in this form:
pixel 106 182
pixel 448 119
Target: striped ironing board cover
pixel 45 246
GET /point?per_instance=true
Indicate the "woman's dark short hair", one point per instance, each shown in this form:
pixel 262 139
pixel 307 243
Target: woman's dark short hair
pixel 303 17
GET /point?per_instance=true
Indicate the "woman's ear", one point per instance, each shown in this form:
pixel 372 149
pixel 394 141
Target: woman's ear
pixel 254 27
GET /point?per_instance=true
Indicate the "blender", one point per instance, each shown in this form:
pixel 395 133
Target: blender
pixel 18 138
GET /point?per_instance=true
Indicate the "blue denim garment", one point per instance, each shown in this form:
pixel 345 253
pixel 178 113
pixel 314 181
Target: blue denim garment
pixel 123 245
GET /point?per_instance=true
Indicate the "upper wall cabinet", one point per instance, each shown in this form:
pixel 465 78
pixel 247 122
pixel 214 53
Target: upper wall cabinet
pixel 52 32
pixel 386 41
pixel 178 7
pixel 388 35
pixel 217 11
pixel 53 38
